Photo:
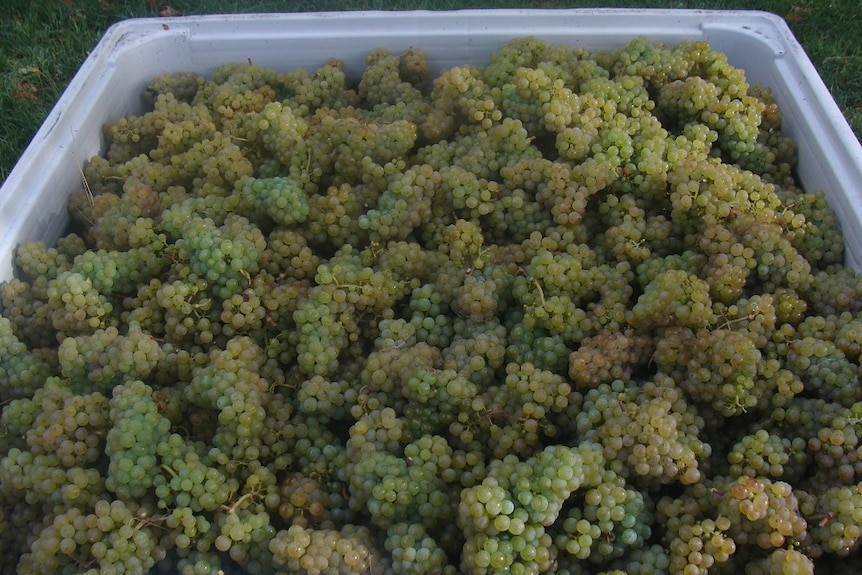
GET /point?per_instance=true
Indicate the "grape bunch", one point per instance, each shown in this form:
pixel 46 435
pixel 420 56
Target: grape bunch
pixel 650 433
pixel 21 371
pixel 110 536
pixel 132 442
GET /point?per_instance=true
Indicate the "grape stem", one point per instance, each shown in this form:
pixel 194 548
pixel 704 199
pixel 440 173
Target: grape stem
pixel 824 518
pixel 536 283
pixel 231 508
pixel 81 562
pixel 168 469
pixel 750 317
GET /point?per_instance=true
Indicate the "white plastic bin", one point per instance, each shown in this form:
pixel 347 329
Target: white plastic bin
pixel 112 79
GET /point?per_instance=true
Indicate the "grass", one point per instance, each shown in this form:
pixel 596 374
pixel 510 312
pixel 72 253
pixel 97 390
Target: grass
pixel 43 43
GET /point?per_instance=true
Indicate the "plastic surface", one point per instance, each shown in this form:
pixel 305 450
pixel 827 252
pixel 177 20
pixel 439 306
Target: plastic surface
pixel 111 80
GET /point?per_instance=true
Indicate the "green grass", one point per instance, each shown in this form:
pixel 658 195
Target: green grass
pixel 42 43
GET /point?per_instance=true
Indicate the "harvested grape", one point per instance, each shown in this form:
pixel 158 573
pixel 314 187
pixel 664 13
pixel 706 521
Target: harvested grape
pixel 565 312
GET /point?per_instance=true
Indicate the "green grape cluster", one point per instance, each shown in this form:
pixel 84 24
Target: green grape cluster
pixel 518 414
pixel 332 215
pixel 53 446
pixel 76 306
pixel 28 313
pixel 782 561
pixel 70 426
pixel 824 369
pixel 650 430
pixel 239 528
pixel 389 366
pixel 326 551
pixel 178 309
pixel 656 62
pixel 764 454
pixel 818 242
pixel 430 315
pixel 225 256
pixel 626 233
pixel 848 338
pixel 537 346
pixel 43 481
pixel 132 442
pixel 462 241
pixel 609 356
pixel 125 221
pixel 437 396
pixel 717 95
pixel 21 371
pixel 354 147
pixel 673 298
pixel 231 386
pixel 274 130
pixel 392 491
pixel 379 429
pixel 289 254
pixel 833 295
pixel 404 205
pixel 321 337
pixel 382 81
pixel 282 199
pixel 566 311
pixel 701 546
pixel 327 86
pixel 461 92
pixel 311 501
pixel 233 89
pixel 414 552
pixel 471 197
pixel 186 481
pixel 326 399
pixel 612 519
pixel 355 282
pixel 120 272
pixel 762 512
pixel 308 445
pixel 477 351
pixel 200 563
pixel 36 260
pixel 106 358
pixel 242 313
pixel 108 537
pixel 835 446
pixel 539 98
pixel 837 530
pixel 504 517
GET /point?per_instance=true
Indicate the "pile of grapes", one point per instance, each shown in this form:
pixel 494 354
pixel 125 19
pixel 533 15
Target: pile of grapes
pixel 568 312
